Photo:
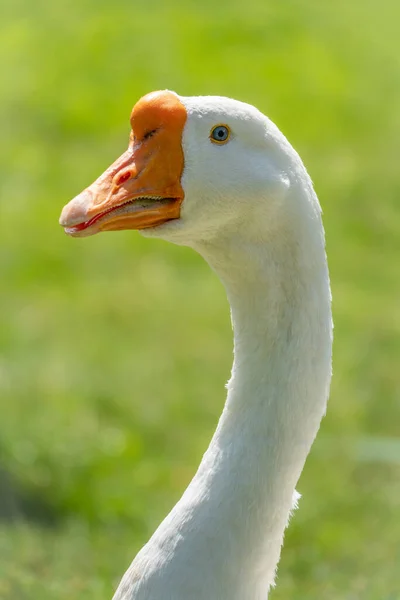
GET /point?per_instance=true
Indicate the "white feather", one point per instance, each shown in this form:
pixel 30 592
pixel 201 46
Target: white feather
pixel 250 210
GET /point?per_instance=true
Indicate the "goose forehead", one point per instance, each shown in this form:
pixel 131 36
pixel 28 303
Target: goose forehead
pixel 215 108
pixel 168 110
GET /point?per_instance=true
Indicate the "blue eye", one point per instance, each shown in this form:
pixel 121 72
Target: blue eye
pixel 220 134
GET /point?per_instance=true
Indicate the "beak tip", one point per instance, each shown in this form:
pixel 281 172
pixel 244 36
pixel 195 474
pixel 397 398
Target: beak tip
pixel 75 211
pixel 62 221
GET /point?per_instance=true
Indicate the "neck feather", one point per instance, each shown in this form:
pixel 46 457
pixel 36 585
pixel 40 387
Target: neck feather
pixel 276 398
pixel 230 522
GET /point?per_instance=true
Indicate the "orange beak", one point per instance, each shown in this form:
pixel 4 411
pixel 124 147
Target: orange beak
pixel 142 188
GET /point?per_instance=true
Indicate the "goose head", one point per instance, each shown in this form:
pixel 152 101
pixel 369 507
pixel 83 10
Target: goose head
pixel 196 169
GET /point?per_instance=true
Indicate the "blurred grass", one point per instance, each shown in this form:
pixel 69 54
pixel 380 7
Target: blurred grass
pixel 114 350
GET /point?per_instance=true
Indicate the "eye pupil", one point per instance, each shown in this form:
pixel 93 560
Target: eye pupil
pixel 220 133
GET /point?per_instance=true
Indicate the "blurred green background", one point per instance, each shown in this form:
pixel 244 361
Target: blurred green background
pixel 115 349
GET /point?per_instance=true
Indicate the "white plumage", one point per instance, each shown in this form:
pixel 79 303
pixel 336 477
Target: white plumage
pixel 250 210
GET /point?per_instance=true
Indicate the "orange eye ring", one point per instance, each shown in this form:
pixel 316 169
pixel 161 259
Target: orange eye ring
pixel 220 134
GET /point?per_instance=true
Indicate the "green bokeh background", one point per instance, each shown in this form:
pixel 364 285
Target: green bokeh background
pixel 115 349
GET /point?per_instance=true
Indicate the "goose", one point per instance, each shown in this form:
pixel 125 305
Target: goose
pixel 216 175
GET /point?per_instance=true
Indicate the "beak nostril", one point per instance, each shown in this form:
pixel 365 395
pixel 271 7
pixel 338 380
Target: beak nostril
pixel 122 177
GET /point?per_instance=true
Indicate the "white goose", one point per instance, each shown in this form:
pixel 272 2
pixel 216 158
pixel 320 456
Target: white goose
pixel 216 175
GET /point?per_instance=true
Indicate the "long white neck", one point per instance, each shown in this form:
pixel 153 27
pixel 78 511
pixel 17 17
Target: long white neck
pixel 223 539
